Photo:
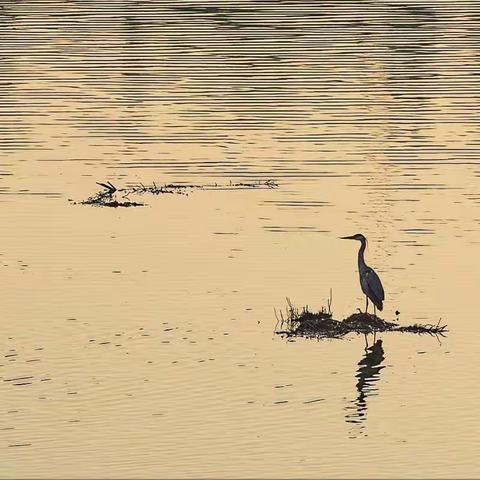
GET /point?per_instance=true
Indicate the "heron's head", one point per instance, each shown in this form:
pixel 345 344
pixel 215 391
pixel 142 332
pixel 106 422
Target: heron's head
pixel 357 236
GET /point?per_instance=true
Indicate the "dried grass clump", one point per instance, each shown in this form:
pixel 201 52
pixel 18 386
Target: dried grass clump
pixel 320 324
pixel 108 196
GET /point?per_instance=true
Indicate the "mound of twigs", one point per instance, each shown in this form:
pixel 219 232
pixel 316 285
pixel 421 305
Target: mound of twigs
pixel 109 196
pixel 320 324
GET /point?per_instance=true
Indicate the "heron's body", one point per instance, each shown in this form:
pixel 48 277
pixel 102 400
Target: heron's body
pixel 369 280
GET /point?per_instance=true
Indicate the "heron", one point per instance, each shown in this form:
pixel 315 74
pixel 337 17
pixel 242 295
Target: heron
pixel 369 280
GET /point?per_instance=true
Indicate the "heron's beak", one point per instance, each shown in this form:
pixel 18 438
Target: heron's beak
pixel 348 238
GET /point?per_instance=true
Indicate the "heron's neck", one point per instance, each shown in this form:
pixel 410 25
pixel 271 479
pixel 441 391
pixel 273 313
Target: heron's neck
pixel 361 259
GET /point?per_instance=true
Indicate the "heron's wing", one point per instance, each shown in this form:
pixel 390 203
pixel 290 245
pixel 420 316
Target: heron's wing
pixel 374 284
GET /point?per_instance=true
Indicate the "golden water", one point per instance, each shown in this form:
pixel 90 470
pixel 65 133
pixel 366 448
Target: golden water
pixel 139 342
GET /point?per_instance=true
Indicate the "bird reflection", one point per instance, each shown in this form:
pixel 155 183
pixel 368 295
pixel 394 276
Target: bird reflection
pixel 367 374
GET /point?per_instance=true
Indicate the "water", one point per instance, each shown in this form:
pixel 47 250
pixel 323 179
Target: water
pixel 139 342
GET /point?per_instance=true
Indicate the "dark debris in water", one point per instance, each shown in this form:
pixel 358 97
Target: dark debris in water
pixel 305 323
pixel 108 197
pixel 113 203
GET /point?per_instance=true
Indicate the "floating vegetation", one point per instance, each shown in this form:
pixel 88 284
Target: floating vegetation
pixel 108 197
pixel 305 323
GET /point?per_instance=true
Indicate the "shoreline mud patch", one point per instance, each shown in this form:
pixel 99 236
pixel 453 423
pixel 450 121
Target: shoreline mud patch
pixel 304 323
pixel 111 196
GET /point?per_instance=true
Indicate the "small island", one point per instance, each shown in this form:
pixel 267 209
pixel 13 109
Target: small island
pixel 304 323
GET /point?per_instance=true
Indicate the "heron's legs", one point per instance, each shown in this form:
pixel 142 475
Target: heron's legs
pixel 366 306
pixel 374 310
pixel 366 341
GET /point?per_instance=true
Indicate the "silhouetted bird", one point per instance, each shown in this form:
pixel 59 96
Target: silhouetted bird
pixel 369 280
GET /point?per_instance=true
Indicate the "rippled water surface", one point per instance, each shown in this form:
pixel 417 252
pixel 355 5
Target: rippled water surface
pixel 139 342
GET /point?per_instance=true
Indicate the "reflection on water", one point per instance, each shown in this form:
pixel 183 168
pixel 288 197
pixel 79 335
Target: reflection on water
pixel 250 86
pixel 367 375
